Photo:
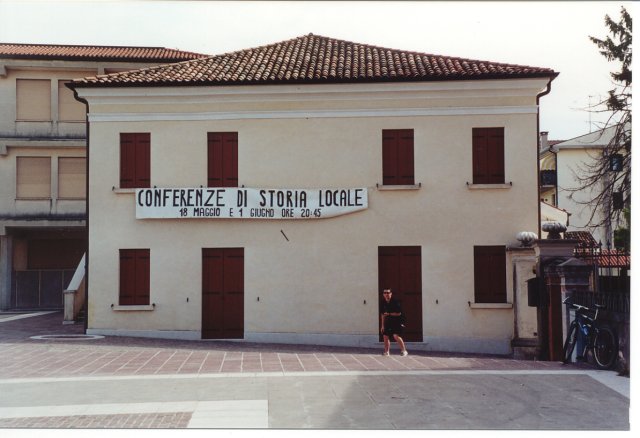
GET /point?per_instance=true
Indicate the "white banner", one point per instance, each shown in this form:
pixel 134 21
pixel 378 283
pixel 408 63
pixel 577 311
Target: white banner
pixel 248 203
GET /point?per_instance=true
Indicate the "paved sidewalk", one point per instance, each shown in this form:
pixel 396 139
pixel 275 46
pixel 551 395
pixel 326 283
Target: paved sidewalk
pixel 23 357
pixel 118 382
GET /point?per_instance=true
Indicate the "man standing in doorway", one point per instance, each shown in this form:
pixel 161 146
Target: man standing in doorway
pixel 391 322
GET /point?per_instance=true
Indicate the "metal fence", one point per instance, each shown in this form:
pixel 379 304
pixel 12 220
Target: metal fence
pixel 39 289
pixel 615 302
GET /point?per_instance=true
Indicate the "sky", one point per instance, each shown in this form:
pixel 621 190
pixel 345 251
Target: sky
pixel 536 33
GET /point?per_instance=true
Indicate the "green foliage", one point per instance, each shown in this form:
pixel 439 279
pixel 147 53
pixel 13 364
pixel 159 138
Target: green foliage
pixel 596 177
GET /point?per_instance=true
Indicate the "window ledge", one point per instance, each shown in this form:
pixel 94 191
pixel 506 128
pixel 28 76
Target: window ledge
pixel 489 186
pixel 119 190
pixel 491 305
pixel 398 187
pixel 143 308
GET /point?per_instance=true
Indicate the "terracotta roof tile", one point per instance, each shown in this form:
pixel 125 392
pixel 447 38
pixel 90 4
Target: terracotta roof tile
pixel 585 238
pixel 316 59
pixel 95 53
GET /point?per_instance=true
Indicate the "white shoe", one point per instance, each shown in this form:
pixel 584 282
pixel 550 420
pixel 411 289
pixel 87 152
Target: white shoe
pixel 386 353
pixel 404 353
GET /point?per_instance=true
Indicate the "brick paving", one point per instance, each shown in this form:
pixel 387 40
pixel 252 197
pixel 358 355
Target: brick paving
pixel 22 357
pixel 163 420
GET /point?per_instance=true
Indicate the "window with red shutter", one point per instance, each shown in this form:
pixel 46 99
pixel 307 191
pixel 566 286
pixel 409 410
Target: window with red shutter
pixel 490 274
pixel 135 160
pixel 134 277
pixel 488 155
pixel 222 159
pixel 397 157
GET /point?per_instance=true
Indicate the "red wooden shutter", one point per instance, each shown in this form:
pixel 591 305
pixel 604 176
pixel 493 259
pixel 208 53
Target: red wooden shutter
pixel 490 274
pixel 142 277
pixel 127 276
pixel 127 161
pixel 135 160
pixel 397 157
pixel 222 160
pixel 143 160
pixel 134 277
pixel 488 155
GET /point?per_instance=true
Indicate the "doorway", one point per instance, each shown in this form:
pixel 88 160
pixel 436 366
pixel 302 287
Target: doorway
pixel 400 269
pixel 223 293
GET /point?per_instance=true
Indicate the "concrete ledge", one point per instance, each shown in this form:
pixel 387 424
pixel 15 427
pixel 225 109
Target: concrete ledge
pixel 145 308
pixel 489 186
pixel 398 187
pixel 491 305
pixel 156 334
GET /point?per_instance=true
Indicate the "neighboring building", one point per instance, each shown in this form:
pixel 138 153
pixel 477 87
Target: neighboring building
pixel 549 210
pixel 43 162
pixel 270 194
pixel 560 163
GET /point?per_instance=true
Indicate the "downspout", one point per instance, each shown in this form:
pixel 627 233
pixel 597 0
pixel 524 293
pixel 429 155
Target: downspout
pixel 555 163
pixel 86 228
pixel 538 96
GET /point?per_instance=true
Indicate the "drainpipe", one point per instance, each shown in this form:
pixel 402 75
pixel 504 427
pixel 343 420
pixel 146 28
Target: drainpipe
pixel 86 228
pixel 543 93
pixel 555 160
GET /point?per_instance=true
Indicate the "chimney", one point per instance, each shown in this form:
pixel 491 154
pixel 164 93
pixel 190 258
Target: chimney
pixel 544 140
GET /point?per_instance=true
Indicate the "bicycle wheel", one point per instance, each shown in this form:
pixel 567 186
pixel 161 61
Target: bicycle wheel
pixel 570 342
pixel 605 347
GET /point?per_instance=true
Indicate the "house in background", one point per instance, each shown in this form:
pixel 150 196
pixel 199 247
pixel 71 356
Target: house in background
pixel 549 210
pixel 43 162
pixel 270 194
pixel 560 162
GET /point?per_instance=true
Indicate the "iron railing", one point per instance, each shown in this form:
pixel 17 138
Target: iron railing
pixel 39 289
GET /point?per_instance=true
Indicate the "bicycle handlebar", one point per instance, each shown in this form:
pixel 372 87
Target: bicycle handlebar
pixel 580 308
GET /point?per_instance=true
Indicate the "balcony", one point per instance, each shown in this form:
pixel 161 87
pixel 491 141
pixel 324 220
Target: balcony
pixel 548 178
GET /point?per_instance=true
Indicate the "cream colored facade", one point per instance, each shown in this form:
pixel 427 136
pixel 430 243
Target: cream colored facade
pixel 42 166
pixel 572 158
pixel 316 280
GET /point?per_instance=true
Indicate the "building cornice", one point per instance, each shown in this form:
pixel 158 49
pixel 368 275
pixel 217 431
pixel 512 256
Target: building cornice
pixel 302 114
pixel 511 87
pixel 359 100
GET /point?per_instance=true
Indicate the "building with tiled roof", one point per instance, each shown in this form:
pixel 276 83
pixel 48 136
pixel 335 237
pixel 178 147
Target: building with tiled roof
pixel 43 162
pixel 271 194
pixel 561 162
pixel 95 53
pixel 313 59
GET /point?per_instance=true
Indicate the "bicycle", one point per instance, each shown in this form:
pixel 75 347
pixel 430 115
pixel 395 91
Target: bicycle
pixel 599 338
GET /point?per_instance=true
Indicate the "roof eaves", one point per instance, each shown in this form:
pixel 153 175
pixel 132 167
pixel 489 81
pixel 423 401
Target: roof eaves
pixel 82 83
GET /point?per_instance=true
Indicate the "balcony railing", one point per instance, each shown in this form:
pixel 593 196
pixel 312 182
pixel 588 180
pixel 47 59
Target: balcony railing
pixel 548 177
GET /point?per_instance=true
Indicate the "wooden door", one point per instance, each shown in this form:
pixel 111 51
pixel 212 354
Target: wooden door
pixel 400 269
pixel 223 293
